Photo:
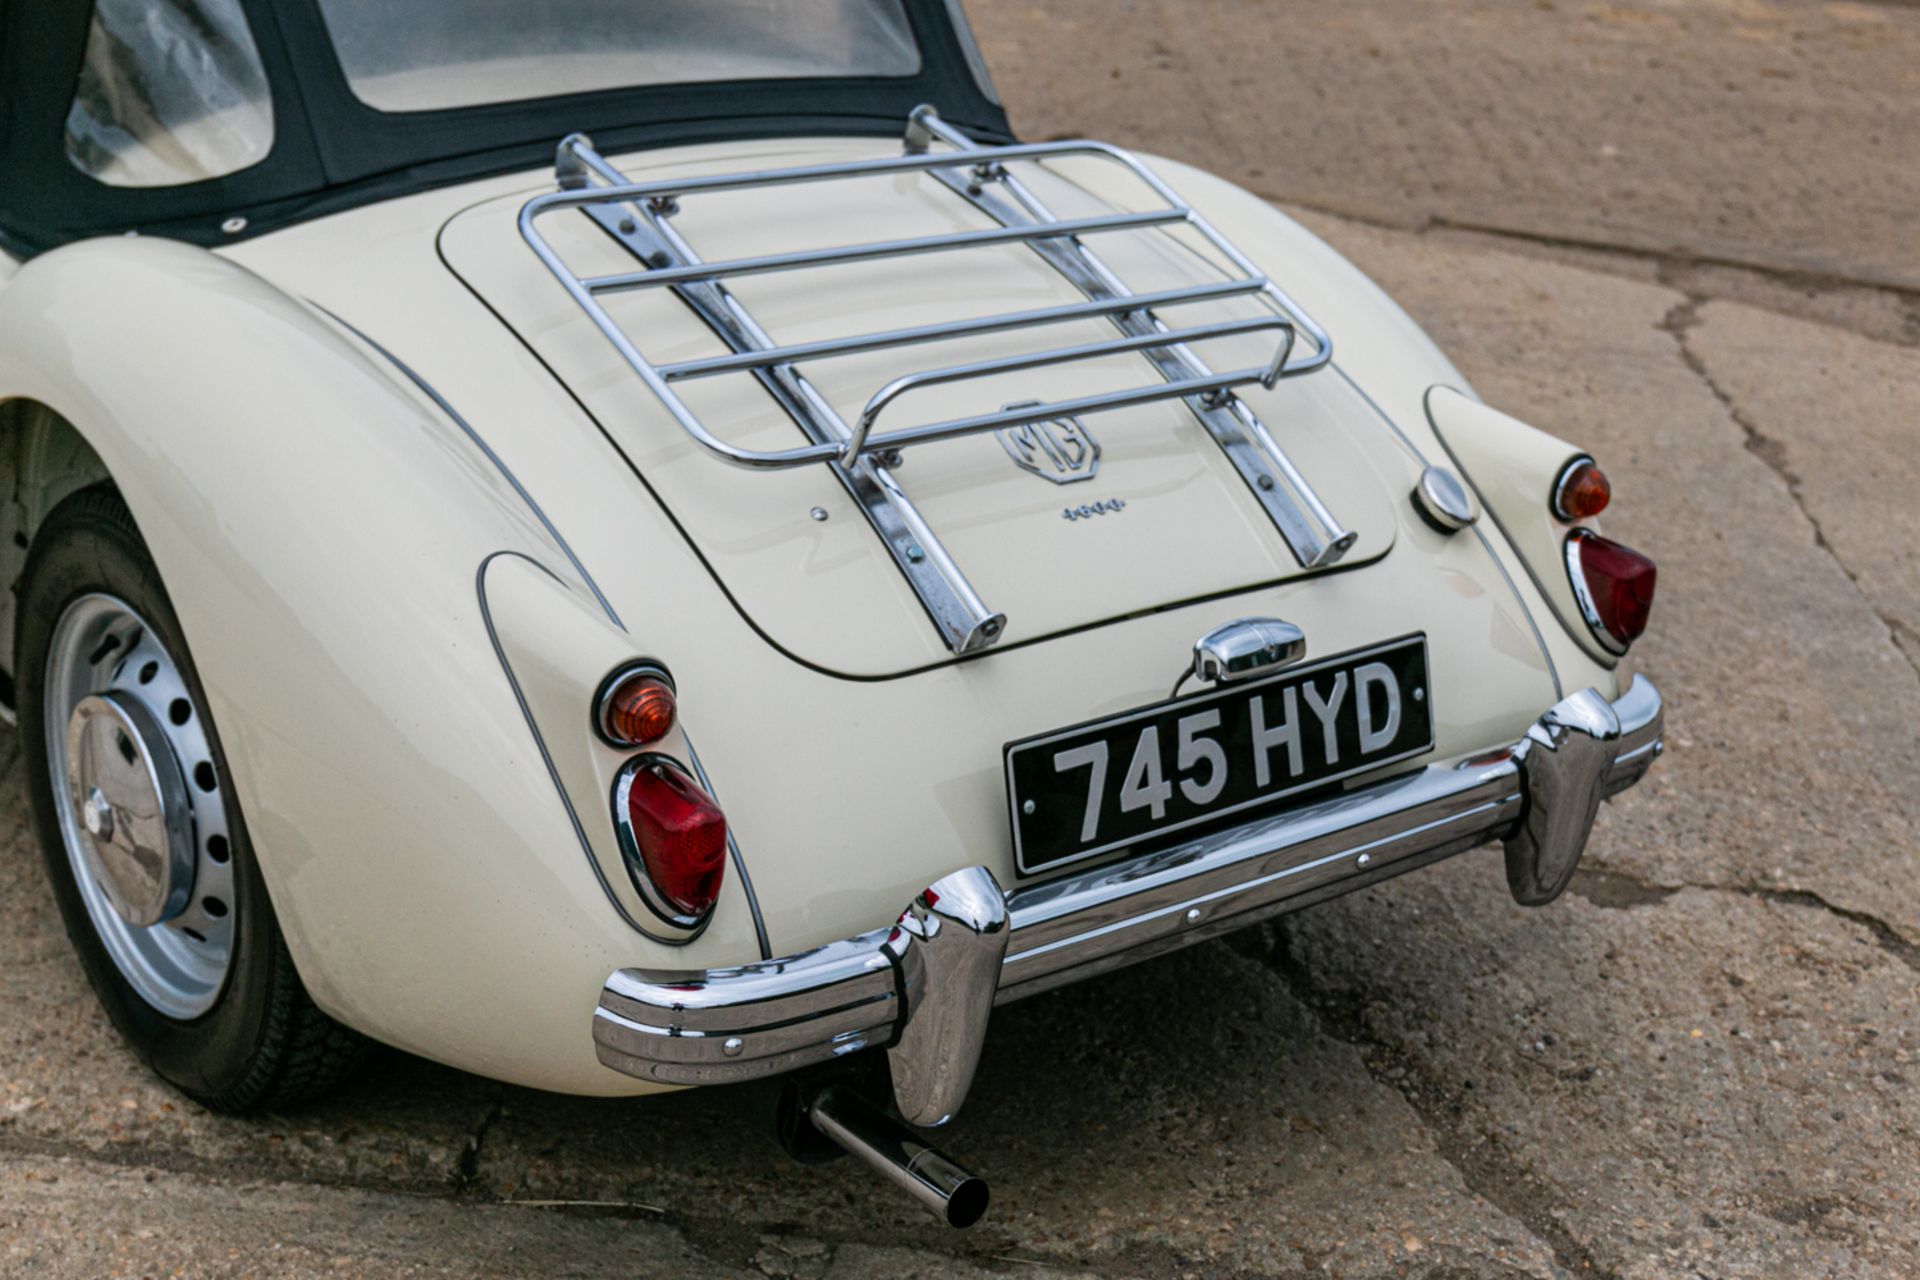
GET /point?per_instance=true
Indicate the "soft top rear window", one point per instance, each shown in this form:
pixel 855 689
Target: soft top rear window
pixel 171 92
pixel 430 55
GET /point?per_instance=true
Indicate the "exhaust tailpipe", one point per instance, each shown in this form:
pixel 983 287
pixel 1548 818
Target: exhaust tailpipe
pixel 900 1155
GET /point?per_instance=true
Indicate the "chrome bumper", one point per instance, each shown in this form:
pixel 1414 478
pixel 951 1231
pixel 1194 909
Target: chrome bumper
pixel 923 986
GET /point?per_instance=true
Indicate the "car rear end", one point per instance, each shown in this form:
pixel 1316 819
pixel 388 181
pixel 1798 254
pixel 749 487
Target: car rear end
pixel 1201 706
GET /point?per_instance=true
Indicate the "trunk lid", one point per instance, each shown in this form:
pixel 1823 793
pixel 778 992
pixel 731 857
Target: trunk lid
pixel 1163 517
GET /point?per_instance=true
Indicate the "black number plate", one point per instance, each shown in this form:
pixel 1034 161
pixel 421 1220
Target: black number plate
pixel 1082 792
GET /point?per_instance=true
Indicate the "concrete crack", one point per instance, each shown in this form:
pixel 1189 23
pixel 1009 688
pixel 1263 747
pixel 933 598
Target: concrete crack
pixel 1679 322
pixel 1792 291
pixel 1496 1175
pixel 1891 940
pixel 1620 890
pixel 1674 260
pixel 1489 1171
pixel 150 1157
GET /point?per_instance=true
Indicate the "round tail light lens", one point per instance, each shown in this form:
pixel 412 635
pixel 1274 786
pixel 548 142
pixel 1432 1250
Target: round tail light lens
pixel 674 838
pixel 1614 585
pixel 636 707
pixel 1582 492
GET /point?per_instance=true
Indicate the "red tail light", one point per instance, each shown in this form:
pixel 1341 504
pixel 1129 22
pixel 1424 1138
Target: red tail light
pixel 636 707
pixel 674 838
pixel 1614 585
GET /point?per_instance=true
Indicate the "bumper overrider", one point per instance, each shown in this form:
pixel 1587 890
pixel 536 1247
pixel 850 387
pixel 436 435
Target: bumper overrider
pixel 923 986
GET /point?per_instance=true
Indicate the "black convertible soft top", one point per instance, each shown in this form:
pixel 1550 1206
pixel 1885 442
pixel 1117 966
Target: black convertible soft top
pixel 331 151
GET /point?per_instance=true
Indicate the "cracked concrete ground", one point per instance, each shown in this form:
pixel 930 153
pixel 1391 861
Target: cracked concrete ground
pixel 1701 1062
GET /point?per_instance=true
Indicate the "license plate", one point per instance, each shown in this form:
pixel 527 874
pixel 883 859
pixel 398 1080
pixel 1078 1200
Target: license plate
pixel 1081 792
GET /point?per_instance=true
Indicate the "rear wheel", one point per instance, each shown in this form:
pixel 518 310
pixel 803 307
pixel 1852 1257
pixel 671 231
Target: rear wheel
pixel 141 835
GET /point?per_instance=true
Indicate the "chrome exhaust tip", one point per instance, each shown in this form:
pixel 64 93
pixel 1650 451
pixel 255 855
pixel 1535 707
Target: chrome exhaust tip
pixel 900 1155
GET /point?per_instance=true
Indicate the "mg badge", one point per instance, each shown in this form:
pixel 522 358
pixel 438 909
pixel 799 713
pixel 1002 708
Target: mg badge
pixel 1059 449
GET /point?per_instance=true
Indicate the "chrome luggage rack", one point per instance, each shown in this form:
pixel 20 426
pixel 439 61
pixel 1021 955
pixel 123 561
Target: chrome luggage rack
pixel 640 216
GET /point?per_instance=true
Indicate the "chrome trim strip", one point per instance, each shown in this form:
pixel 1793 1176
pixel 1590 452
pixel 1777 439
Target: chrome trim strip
pixel 606 606
pixel 712 1026
pixel 1539 586
pixel 540 513
pixel 1605 656
pixel 1486 544
pixel 539 740
pixel 1533 625
pixel 733 850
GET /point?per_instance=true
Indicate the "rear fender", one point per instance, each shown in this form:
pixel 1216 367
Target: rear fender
pixel 1515 467
pixel 321 528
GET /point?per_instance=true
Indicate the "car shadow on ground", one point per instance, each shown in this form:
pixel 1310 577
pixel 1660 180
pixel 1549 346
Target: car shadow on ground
pixel 1174 1089
pixel 1165 1089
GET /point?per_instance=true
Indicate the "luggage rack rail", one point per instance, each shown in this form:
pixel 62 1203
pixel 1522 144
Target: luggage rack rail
pixel 640 216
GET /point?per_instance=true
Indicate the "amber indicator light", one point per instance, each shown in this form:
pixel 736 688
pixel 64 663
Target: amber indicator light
pixel 637 710
pixel 1583 491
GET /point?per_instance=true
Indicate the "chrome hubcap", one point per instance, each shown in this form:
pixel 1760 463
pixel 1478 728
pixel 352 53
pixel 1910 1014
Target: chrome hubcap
pixel 140 805
pixel 136 822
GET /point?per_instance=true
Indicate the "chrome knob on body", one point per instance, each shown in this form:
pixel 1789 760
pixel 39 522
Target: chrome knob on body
pixel 1443 501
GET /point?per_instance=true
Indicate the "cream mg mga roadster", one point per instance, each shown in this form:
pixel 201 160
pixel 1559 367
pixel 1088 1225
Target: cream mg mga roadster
pixel 426 423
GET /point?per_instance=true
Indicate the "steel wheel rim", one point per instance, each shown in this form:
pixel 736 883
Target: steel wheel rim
pixel 105 658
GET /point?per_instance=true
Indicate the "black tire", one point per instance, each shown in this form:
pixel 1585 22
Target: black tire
pixel 263 1044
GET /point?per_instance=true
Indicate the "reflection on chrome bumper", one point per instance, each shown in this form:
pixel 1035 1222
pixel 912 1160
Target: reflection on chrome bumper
pixel 923 986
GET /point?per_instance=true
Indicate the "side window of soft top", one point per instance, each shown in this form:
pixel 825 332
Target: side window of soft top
pixel 170 92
